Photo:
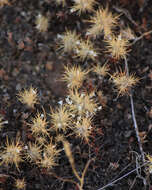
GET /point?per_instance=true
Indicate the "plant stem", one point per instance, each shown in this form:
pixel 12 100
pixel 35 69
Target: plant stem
pixel 113 182
pixel 134 117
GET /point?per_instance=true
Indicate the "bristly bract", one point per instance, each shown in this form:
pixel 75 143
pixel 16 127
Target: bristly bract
pixel 86 50
pixel 102 22
pixel 117 47
pixel 74 76
pixel 60 118
pixel 83 6
pixel 39 125
pixel 12 153
pixel 28 97
pixel 83 128
pixel 20 184
pixel 123 82
pixel 69 41
pixel 42 23
pixel 82 103
pixel 101 70
pixel 33 152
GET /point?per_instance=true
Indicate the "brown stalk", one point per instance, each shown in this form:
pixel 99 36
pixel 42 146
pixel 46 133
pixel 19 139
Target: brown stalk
pixel 71 160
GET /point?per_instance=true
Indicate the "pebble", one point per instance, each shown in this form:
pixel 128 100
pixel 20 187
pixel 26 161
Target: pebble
pixel 18 87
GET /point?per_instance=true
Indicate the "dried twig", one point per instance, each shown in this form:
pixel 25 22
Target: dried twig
pixel 126 13
pixel 140 37
pixel 84 172
pixel 63 179
pixel 122 177
pixel 134 117
pixel 71 160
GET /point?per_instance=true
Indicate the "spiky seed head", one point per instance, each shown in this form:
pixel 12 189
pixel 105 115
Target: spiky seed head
pixel 101 70
pixel 127 33
pixel 83 104
pixel 59 138
pixel 40 140
pixel 69 41
pixel 12 153
pixel 123 82
pixel 85 50
pixel 83 6
pixel 51 149
pixel 74 76
pixel 33 152
pixel 20 184
pixel 60 118
pixel 39 125
pixel 47 162
pixel 83 128
pixel 42 23
pixel 102 21
pixel 28 97
pixel 117 47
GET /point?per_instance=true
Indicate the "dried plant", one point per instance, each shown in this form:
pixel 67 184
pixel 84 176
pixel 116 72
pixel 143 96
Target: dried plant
pixel 123 82
pixel 39 125
pixel 69 41
pixel 40 139
pixel 117 46
pixel 82 104
pixel 83 128
pixel 74 76
pixel 12 153
pixel 42 23
pixel 128 34
pixel 51 149
pixel 47 161
pixel 83 6
pixel 68 152
pixel 76 115
pixel 33 152
pixel 85 50
pixel 101 70
pixel 20 184
pixel 60 118
pixel 28 97
pixel 103 21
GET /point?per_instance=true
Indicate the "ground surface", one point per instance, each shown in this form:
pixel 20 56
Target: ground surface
pixel 28 57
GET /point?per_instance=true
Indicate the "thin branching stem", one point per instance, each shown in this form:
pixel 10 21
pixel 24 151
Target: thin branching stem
pixel 134 117
pixel 72 163
pixel 64 179
pixel 84 172
pixel 122 177
pixel 140 37
pixel 136 128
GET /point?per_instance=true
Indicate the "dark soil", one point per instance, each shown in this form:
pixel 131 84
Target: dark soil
pixel 28 57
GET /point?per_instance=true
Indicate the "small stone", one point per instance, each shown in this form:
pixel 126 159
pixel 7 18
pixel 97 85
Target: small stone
pixel 49 65
pixel 15 72
pixel 18 87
